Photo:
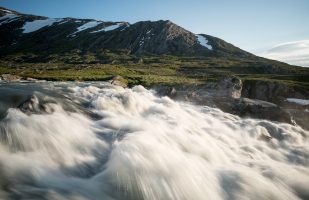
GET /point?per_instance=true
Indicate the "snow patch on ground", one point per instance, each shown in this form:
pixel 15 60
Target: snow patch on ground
pixel 108 28
pixel 303 102
pixel 203 41
pixel 38 24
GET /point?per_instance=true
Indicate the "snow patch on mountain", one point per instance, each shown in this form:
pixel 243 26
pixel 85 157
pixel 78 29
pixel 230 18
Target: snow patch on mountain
pixel 5 10
pixel 149 31
pixel 8 18
pixel 63 21
pixel 87 25
pixel 38 24
pixel 203 41
pixel 108 28
pixel 142 41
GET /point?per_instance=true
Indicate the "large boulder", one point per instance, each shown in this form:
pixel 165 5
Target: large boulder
pixel 266 99
pixel 226 87
pixel 229 86
pixel 254 108
pixel 272 91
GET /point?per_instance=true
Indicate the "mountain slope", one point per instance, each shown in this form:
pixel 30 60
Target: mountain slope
pixel 20 32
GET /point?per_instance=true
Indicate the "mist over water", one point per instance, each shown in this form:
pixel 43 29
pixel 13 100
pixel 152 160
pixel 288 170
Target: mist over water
pixel 97 141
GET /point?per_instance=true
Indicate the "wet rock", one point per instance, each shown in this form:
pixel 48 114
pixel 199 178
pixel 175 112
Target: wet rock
pixel 168 91
pixel 31 105
pixel 264 135
pixel 300 116
pixel 245 107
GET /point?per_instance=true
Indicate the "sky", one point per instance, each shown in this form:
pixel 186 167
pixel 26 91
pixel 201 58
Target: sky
pixel 253 25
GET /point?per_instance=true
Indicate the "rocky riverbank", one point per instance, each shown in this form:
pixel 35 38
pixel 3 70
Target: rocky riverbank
pixel 15 78
pixel 256 99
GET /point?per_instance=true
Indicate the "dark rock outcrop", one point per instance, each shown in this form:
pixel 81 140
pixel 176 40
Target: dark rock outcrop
pixel 226 87
pixel 272 91
pixel 226 94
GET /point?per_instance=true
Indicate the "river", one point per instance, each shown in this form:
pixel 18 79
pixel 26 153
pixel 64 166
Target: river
pixel 92 140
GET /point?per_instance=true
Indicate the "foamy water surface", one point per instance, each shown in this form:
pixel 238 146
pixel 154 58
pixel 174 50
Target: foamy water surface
pixel 131 144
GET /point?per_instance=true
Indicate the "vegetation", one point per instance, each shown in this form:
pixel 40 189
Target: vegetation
pixel 148 70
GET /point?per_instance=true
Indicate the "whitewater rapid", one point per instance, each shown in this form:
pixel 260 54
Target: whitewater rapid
pixel 98 141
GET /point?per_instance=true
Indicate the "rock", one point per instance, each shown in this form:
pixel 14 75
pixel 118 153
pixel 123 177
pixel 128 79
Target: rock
pixel 166 91
pixel 264 135
pixel 226 94
pixel 272 91
pixel 31 79
pixel 229 86
pixel 31 105
pixel 300 116
pixel 119 81
pixel 254 108
pixel 10 78
pixel 15 78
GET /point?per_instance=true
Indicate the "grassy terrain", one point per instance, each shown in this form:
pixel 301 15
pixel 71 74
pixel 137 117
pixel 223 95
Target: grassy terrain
pixel 149 70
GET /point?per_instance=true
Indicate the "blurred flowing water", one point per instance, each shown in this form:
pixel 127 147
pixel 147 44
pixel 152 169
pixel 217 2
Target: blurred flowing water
pixel 98 141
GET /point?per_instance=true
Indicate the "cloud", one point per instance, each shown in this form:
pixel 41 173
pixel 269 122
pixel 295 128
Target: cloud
pixel 295 53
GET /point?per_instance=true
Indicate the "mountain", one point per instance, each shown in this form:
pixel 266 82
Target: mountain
pixel 38 46
pixel 21 32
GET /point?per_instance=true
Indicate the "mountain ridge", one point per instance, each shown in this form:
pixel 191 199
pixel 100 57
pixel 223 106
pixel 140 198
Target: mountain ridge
pixel 144 37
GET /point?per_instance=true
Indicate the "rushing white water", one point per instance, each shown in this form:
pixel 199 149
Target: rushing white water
pixel 140 146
